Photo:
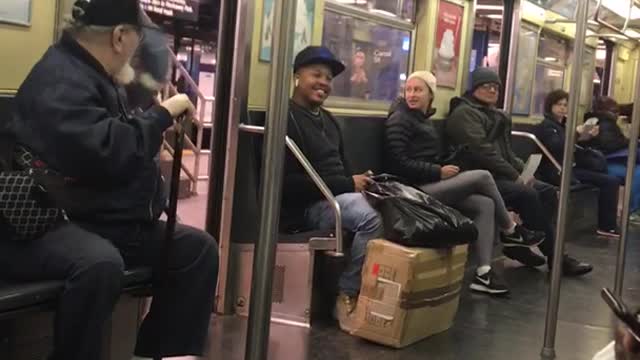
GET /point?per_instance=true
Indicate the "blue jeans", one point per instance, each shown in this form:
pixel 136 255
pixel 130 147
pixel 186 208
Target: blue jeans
pixel 357 216
pixel 619 170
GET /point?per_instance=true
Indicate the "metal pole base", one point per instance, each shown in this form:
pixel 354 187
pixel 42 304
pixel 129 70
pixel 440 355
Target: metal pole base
pixel 548 353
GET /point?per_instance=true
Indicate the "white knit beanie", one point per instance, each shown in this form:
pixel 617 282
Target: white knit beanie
pixel 428 78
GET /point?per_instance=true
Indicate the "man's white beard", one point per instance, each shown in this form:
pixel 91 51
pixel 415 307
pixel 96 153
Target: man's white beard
pixel 126 75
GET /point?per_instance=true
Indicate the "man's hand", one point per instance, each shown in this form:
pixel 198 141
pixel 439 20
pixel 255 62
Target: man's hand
pixel 528 181
pixel 627 347
pixel 362 181
pixel 584 135
pixel 178 105
pixel 449 171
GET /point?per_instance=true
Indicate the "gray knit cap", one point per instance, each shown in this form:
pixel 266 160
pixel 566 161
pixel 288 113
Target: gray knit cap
pixel 483 75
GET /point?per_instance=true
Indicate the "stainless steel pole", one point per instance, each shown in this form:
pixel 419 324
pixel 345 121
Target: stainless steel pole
pixel 548 349
pixel 631 167
pixel 272 168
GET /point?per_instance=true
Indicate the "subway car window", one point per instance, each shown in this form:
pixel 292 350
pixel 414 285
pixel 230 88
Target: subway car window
pixel 588 74
pixel 525 67
pixel 550 69
pixel 485 50
pixel 601 80
pixel 376 56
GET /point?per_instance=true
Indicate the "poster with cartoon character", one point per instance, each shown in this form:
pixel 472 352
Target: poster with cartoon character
pixel 447 50
pixel 305 12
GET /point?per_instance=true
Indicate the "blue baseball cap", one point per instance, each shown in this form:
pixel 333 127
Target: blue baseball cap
pixel 312 55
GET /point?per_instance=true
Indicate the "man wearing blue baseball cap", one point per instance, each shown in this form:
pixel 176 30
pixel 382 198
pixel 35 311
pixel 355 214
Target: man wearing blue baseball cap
pixel 317 133
pixel 70 113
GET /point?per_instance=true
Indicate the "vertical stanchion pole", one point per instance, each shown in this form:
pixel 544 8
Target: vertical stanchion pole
pixel 631 168
pixel 548 349
pixel 271 189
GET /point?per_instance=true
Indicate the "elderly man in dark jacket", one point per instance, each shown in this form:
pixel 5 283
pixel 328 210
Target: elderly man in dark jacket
pixel 474 121
pixel 70 113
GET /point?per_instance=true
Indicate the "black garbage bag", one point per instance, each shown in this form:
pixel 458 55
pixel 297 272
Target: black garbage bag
pixel 414 218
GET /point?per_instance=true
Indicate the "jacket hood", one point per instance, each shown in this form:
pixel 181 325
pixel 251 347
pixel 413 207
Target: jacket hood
pixel 601 115
pixel 400 105
pixel 466 99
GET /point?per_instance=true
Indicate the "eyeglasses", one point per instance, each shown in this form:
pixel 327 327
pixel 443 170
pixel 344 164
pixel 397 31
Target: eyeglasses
pixel 490 86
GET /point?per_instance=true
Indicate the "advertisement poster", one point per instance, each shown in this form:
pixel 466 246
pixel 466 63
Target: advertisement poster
pixel 305 10
pixel 447 49
pixel 16 12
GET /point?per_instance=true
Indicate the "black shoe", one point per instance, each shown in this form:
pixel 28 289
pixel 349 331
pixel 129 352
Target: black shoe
pixel 573 267
pixel 522 237
pixel 524 255
pixel 489 283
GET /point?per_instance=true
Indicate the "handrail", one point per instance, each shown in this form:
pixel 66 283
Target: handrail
pixel 317 180
pixel 186 75
pixel 540 145
pixel 186 170
pixel 199 121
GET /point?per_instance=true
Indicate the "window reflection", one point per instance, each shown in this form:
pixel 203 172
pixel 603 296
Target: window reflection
pixel 550 69
pixel 548 78
pixel 376 57
pixel 552 49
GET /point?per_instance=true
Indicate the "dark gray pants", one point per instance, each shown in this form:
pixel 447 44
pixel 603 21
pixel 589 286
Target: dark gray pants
pixel 91 259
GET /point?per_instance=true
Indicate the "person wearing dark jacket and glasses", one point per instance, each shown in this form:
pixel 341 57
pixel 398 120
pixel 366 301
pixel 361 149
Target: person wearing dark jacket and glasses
pixel 71 115
pixel 318 135
pixel 415 152
pixel 551 132
pixel 475 122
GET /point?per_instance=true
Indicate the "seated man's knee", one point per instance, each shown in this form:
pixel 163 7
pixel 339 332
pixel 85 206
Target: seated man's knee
pixel 191 246
pixel 529 194
pixel 356 207
pixel 102 269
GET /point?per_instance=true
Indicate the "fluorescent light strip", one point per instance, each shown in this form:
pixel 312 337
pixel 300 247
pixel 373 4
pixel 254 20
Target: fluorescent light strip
pixel 490 7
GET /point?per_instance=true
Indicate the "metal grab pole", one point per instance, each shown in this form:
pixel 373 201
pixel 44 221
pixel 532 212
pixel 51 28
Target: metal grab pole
pixel 271 189
pixel 548 349
pixel 631 168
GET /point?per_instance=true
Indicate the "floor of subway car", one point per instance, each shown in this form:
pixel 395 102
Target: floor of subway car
pixel 485 328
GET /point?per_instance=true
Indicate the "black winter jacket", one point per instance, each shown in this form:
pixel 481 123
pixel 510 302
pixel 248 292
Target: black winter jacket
pixel 486 132
pixel 72 115
pixel 412 144
pixel 552 135
pixel 610 139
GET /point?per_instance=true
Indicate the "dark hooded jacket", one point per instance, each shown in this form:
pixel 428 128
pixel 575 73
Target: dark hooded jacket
pixel 486 132
pixel 610 139
pixel 72 115
pixel 412 144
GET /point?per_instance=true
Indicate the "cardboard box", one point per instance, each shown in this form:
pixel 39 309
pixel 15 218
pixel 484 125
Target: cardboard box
pixel 407 294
